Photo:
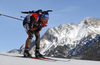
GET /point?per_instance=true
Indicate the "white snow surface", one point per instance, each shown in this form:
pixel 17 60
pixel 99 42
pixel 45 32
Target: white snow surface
pixel 13 59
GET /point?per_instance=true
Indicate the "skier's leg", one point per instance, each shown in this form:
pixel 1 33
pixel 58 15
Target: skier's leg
pixel 28 41
pixel 37 43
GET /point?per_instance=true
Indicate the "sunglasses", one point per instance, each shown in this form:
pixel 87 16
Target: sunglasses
pixel 45 16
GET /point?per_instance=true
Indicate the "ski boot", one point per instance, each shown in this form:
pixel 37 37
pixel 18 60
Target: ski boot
pixel 27 54
pixel 38 55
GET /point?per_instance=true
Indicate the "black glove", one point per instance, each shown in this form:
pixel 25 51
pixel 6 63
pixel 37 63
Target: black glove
pixel 39 27
pixel 36 25
pixel 30 31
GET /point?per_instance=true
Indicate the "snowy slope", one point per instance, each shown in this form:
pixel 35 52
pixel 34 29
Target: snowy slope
pixel 11 59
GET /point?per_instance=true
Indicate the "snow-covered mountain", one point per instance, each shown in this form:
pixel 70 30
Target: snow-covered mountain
pixel 70 36
pixel 70 39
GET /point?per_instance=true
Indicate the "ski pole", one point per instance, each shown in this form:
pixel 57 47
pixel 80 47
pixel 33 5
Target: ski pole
pixel 11 17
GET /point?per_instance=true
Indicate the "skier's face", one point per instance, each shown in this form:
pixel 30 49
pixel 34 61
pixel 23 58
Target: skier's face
pixel 44 20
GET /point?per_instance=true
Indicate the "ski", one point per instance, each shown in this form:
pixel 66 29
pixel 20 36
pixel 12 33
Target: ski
pixel 58 60
pixel 50 59
pixel 44 59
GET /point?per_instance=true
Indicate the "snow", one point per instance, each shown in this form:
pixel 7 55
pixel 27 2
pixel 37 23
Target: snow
pixel 13 59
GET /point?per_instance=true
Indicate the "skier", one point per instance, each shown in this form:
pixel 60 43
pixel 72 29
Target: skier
pixel 33 23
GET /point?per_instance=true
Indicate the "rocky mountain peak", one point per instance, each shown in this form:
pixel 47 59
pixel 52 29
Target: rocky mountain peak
pixel 91 21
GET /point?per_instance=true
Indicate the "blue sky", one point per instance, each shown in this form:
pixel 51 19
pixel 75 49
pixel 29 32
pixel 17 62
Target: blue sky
pixel 12 33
